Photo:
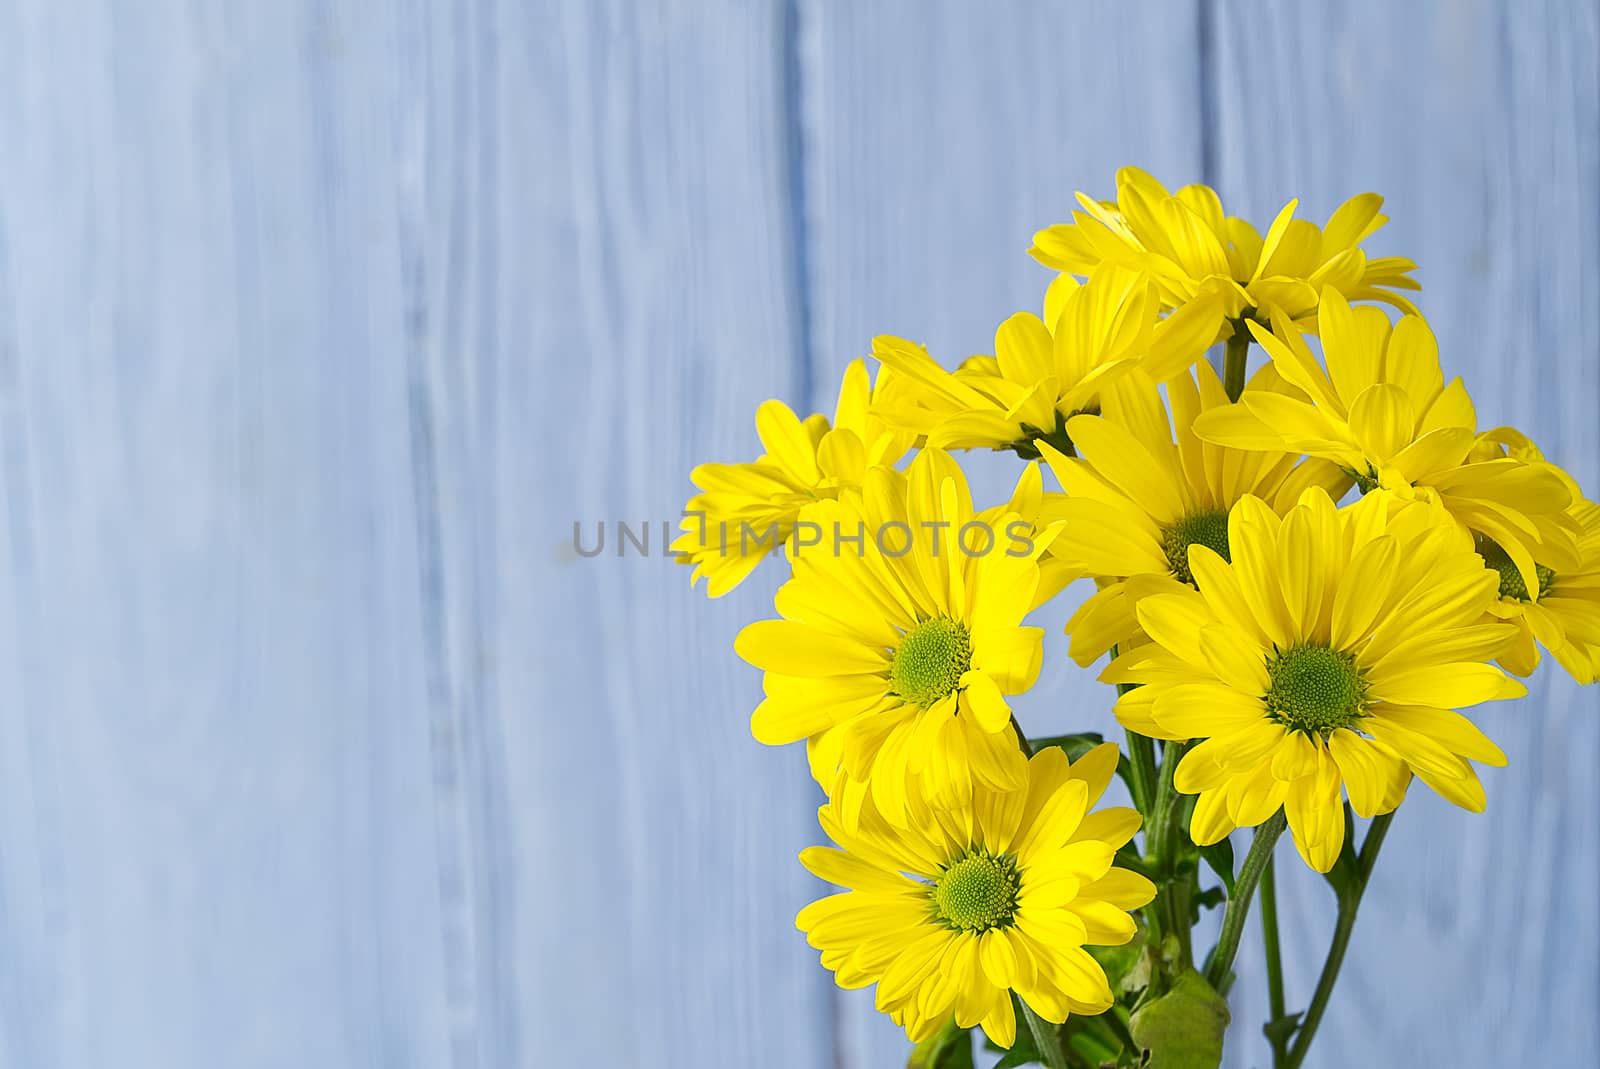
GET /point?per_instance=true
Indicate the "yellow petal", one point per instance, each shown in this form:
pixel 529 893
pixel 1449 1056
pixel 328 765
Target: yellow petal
pixel 982 698
pixel 786 440
pixel 998 957
pixel 1210 823
pixel 794 649
pixel 1316 815
pixel 1023 347
pixel 1121 888
pixel 1000 1023
pixel 1095 769
pixel 1445 685
pixel 1383 420
pixel 1452 730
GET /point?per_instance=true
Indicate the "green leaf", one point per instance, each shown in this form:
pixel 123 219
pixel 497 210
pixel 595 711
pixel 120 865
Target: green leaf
pixel 1017 1056
pixel 1121 963
pixel 1117 962
pixel 1183 1028
pixel 949 1048
pixel 1219 856
pixel 1282 1029
pixel 1210 898
pixel 1101 1040
pixel 1075 745
pixel 1094 1049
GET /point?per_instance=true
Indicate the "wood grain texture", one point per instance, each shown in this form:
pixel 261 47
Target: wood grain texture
pixel 624 296
pixel 321 327
pixel 322 321
pixel 215 755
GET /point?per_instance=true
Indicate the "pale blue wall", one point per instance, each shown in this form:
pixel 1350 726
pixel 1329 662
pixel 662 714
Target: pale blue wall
pixel 322 320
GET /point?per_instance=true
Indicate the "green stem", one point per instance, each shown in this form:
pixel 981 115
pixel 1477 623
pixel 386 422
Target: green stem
pixel 1142 759
pixel 1269 936
pixel 1172 898
pixel 1044 1038
pixel 1234 362
pixel 1022 740
pixel 1244 888
pixel 1349 903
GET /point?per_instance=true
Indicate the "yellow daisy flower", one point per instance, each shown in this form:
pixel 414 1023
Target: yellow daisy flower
pixel 748 510
pixel 1382 411
pixel 951 914
pixel 1044 371
pixel 1331 652
pixel 1143 489
pixel 1561 613
pixel 1198 255
pixel 901 637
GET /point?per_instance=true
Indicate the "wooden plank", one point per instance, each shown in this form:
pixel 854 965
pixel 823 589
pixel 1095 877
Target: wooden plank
pixel 938 138
pixel 321 748
pixel 216 793
pixel 602 209
pixel 1478 942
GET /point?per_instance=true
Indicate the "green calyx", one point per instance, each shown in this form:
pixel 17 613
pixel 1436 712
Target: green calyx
pixel 1027 447
pixel 977 893
pixel 1315 689
pixel 1511 581
pixel 930 661
pixel 1209 529
pixel 1366 481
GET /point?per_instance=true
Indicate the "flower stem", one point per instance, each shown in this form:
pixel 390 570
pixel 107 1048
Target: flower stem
pixel 1234 361
pixel 1161 846
pixel 1044 1038
pixel 1349 903
pixel 1244 888
pixel 1022 740
pixel 1269 936
pixel 1142 755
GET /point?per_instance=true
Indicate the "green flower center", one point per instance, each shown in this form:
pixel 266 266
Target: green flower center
pixel 1511 583
pixel 930 661
pixel 977 893
pixel 1315 689
pixel 1209 529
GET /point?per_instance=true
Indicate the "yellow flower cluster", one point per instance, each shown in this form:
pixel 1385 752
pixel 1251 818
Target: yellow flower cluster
pixel 1300 575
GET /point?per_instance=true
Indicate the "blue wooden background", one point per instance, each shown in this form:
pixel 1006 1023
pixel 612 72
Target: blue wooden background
pixel 321 321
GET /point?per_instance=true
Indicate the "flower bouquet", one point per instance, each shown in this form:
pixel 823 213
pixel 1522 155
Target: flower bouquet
pixel 1301 573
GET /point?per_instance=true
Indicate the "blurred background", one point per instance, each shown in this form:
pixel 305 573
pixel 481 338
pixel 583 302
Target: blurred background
pixel 323 321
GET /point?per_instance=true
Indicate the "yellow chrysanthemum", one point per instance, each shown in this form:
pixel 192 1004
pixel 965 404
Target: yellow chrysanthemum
pixel 1383 412
pixel 1044 371
pixel 1144 489
pixel 950 915
pixel 900 641
pixel 1332 651
pixel 748 510
pixel 1199 256
pixel 1561 613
